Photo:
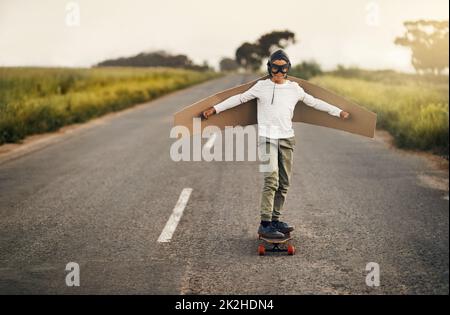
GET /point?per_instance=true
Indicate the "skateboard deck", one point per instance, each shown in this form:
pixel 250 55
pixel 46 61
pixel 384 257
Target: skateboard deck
pixel 276 245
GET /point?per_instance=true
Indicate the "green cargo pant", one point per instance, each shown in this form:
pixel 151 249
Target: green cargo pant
pixel 276 156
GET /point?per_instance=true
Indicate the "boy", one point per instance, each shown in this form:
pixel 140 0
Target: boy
pixel 276 139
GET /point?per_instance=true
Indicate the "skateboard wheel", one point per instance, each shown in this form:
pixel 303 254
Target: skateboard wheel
pixel 291 249
pixel 261 250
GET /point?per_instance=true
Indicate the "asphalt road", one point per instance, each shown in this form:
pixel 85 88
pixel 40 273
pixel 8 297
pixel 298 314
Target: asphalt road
pixel 101 196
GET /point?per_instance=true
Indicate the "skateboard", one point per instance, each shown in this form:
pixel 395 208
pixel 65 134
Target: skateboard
pixel 277 245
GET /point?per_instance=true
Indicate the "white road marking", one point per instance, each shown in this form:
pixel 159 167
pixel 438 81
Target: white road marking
pixel 210 141
pixel 445 197
pixel 171 225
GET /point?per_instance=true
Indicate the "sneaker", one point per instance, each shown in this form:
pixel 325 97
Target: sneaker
pixel 269 232
pixel 282 227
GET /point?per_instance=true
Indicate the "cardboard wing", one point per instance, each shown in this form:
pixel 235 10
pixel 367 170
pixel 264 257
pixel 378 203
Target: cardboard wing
pixel 361 120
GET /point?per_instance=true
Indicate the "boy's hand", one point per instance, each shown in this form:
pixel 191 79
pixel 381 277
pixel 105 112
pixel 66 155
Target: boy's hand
pixel 209 112
pixel 344 115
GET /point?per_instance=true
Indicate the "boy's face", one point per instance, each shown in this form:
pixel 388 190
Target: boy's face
pixel 280 75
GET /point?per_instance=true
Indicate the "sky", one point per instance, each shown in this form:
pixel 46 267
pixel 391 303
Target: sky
pixel 82 33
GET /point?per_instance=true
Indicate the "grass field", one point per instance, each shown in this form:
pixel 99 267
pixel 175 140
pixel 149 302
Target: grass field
pixel 36 100
pixel 414 109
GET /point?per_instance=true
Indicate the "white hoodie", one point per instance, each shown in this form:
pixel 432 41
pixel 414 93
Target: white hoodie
pixel 276 104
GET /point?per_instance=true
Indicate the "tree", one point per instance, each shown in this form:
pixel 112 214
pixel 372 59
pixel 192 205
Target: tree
pixel 228 64
pixel 306 70
pixel 251 55
pixel 428 41
pixel 279 39
pixel 248 56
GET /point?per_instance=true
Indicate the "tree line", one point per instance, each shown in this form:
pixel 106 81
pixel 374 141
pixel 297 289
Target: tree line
pixel 158 58
pixel 428 41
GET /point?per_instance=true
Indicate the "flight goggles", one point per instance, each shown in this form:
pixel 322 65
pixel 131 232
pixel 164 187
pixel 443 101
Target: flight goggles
pixel 276 68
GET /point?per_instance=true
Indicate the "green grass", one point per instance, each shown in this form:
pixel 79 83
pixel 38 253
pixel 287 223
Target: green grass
pixel 37 100
pixel 413 109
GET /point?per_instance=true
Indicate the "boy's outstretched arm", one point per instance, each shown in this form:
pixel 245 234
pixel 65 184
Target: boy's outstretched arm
pixel 322 105
pixel 233 101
